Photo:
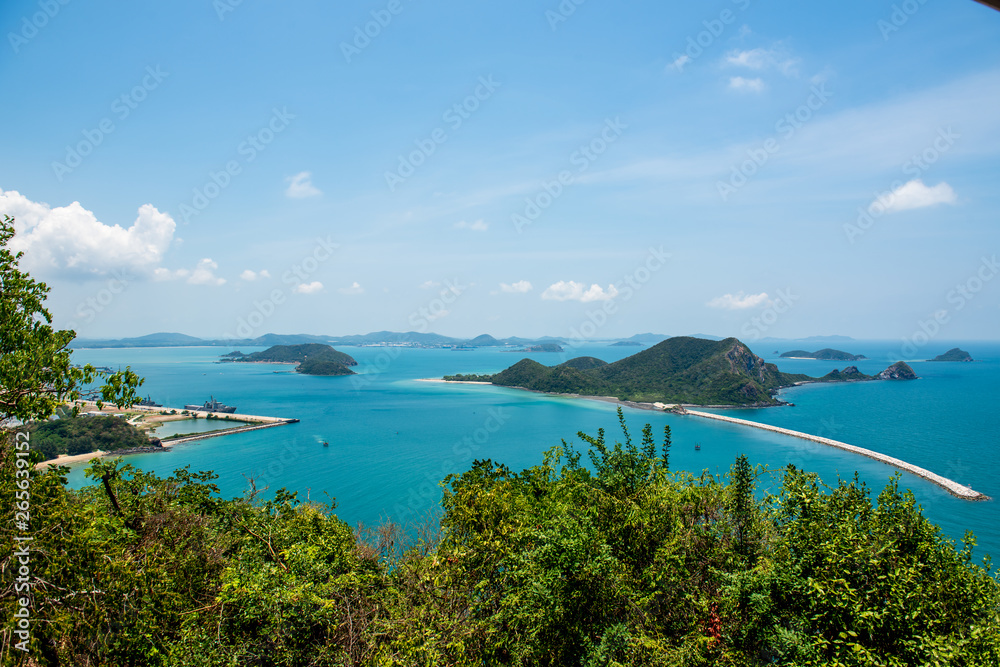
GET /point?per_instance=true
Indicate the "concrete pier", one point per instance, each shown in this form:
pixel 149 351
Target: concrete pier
pixel 948 485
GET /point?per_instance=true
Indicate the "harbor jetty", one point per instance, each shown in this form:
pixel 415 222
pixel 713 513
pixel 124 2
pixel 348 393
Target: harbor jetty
pixel 954 488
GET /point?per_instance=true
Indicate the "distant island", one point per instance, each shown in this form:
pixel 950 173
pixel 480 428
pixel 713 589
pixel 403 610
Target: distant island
pixel 543 347
pixel 312 358
pixel 627 343
pixel 826 354
pixel 691 371
pixel 954 354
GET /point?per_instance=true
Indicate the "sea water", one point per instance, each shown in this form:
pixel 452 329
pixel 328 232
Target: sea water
pixel 392 439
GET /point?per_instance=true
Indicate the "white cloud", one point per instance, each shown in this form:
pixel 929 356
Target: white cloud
pixel 430 284
pixel 750 85
pixel 520 287
pixel 762 59
pixel 250 276
pixel 680 62
pixel 70 239
pixel 355 288
pixel 300 186
pixel 204 274
pixel 308 288
pixel 914 194
pixel 574 291
pixel 738 301
pixel 478 225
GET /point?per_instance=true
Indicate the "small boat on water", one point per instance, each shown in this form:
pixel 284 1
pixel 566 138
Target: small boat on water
pixel 326 444
pixel 212 405
pixel 697 447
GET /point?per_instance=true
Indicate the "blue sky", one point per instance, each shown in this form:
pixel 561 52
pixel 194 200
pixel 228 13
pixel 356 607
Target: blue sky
pixel 525 168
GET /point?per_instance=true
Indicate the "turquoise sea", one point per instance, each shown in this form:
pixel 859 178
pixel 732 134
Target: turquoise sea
pixel 393 439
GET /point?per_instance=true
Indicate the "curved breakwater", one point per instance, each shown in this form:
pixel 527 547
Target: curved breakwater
pixel 948 485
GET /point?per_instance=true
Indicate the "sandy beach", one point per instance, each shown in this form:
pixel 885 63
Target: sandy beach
pixel 66 459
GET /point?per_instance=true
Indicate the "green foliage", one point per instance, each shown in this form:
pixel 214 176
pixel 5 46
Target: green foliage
pixel 472 377
pixel 80 435
pixel 299 353
pixel 36 374
pixel 323 366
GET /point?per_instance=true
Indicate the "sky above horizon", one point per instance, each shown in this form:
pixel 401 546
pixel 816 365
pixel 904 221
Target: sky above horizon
pixel 574 168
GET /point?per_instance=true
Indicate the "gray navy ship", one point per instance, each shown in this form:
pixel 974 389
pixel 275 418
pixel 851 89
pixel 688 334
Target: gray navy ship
pixel 212 405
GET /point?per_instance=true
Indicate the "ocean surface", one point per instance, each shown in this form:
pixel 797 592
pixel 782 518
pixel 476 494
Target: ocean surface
pixel 392 439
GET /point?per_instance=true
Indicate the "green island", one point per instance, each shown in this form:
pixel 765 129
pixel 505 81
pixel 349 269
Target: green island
pixel 600 554
pixel 954 354
pixel 312 358
pixel 692 371
pixel 826 354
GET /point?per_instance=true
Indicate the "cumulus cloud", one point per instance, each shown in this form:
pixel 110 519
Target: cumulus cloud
pixel 914 194
pixel 300 186
pixel 308 288
pixel 748 85
pixel 520 287
pixel 355 288
pixel 71 240
pixel 738 301
pixel 477 226
pixel 204 274
pixel 574 291
pixel 250 276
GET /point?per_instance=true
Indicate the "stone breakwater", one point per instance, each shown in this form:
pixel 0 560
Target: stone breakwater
pixel 948 485
pixel 227 431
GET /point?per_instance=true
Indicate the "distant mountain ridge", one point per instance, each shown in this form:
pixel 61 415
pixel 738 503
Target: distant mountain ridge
pixel 375 338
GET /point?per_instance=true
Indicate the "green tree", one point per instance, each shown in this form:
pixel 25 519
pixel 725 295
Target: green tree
pixel 36 372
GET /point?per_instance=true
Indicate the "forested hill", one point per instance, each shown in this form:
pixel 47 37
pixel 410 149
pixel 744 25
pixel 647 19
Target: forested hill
pixel 678 370
pixel 313 358
pixel 683 369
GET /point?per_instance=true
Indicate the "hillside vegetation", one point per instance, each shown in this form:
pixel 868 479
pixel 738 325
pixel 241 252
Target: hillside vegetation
pixel 81 435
